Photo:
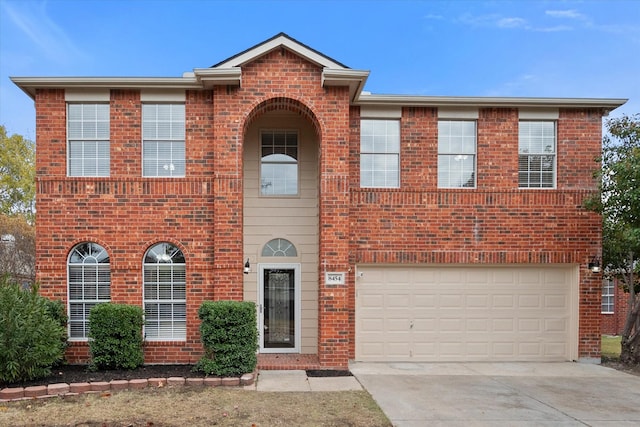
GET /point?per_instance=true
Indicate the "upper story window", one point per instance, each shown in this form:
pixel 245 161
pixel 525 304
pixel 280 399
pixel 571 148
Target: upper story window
pixel 89 281
pixel 88 151
pixel 456 154
pixel 279 163
pixel 380 153
pixel 163 140
pixel 608 297
pixel 165 293
pixel 537 154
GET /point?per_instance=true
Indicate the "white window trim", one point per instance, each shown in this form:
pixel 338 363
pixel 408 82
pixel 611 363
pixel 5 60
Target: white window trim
pixel 298 163
pixel 82 301
pixel 555 155
pixel 372 117
pixel 475 153
pixel 162 301
pixel 69 140
pixel 610 285
pixel 170 141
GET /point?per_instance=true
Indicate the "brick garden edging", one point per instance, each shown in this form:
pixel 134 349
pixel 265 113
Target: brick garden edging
pixel 9 394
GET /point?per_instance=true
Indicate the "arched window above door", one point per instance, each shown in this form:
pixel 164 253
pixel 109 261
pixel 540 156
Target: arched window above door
pixel 279 247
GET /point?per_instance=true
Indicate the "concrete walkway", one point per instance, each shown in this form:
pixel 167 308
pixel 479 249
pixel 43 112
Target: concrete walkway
pixel 298 381
pixel 502 394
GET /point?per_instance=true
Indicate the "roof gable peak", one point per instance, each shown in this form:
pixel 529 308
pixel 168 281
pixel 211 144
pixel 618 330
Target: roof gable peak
pixel 278 41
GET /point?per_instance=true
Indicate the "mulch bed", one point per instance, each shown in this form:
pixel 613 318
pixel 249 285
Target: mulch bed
pixel 80 374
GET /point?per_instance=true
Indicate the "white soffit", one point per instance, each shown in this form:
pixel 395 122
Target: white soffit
pixel 487 102
pixel 91 84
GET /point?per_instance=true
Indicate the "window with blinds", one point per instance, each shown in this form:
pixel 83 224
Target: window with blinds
pixel 537 154
pixel 456 154
pixel 380 153
pixel 163 140
pixel 88 148
pixel 89 281
pixel 165 304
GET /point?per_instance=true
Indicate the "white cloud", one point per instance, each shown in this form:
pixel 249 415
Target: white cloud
pixel 434 17
pixel 508 23
pixel 32 20
pixel 511 23
pixel 569 14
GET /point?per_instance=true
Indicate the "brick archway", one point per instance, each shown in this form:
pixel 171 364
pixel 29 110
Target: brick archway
pixel 286 104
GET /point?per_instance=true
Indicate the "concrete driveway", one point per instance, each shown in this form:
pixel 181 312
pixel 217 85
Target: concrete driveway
pixel 505 394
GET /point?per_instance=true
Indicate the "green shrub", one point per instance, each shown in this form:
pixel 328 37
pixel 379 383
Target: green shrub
pixel 58 312
pixel 31 340
pixel 115 336
pixel 229 336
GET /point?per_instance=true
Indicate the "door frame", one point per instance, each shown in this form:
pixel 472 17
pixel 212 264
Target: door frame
pixel 296 267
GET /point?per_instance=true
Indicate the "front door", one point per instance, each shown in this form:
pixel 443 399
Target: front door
pixel 279 310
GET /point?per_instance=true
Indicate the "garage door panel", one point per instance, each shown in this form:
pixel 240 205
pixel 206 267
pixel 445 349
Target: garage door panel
pixel 464 314
pixel 477 301
pixel 450 301
pixel 529 301
pixel 477 325
pixel 371 325
pixel 502 301
pixel 556 301
pixel 504 325
pixel 556 325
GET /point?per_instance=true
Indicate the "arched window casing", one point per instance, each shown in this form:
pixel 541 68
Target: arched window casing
pixel 89 281
pixel 279 248
pixel 165 304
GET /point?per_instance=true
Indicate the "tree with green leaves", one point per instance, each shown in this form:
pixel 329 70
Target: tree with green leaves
pixel 619 204
pixel 17 175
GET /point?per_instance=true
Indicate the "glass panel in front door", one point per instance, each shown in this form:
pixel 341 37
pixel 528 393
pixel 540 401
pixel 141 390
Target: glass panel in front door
pixel 279 308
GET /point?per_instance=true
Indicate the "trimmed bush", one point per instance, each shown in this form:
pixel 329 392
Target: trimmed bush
pixel 230 338
pixel 115 336
pixel 58 312
pixel 31 340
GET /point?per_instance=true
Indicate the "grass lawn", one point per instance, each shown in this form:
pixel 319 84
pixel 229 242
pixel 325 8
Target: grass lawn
pixel 201 407
pixel 610 347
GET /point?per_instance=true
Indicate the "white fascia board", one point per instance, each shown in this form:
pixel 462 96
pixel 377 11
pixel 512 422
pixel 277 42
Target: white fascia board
pixel 354 79
pixel 218 76
pixel 460 101
pixel 276 43
pixel 30 84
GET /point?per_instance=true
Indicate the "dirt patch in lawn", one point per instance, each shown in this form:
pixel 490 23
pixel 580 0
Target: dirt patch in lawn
pixel 614 363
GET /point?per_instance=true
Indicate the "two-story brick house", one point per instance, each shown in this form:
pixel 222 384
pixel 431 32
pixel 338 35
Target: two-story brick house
pixel 366 227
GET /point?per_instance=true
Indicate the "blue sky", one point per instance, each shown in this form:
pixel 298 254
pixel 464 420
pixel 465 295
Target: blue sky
pixel 519 48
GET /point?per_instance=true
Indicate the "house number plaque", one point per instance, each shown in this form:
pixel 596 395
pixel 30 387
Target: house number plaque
pixel 334 278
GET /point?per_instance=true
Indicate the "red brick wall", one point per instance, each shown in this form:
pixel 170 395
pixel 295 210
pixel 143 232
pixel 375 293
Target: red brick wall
pixel 202 213
pixel 495 224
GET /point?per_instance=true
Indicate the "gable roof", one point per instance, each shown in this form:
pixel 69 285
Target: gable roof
pixel 275 42
pixel 334 73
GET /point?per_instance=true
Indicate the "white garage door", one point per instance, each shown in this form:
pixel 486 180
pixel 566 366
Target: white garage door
pixel 466 313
